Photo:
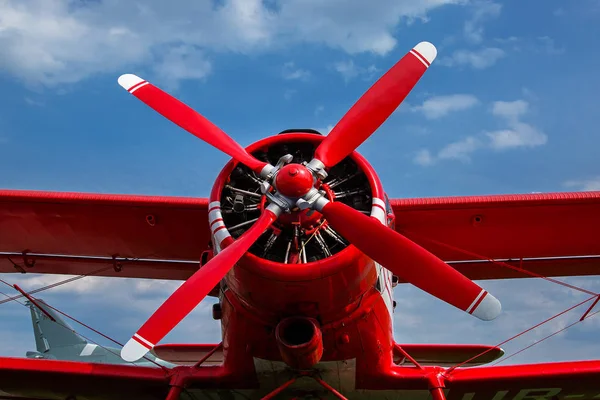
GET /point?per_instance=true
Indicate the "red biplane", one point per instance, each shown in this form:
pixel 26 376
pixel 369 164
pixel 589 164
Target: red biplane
pixel 302 248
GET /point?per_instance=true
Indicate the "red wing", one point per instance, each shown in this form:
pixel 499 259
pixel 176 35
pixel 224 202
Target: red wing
pixel 554 234
pixel 76 233
pixel 49 379
pixel 567 380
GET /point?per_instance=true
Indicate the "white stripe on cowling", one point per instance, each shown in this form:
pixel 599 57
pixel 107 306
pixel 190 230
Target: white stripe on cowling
pixel 376 210
pixel 221 234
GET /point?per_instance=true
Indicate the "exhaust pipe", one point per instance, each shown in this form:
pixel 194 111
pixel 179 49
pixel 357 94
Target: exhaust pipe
pixel 300 342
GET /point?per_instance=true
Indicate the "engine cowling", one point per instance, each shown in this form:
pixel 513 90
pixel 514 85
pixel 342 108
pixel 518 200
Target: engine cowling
pixel 299 237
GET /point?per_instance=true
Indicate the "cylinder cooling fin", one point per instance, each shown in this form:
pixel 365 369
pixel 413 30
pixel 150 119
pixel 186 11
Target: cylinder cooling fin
pixel 301 236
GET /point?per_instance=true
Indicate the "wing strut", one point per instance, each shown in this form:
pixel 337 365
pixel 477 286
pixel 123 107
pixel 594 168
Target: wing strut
pixel 310 374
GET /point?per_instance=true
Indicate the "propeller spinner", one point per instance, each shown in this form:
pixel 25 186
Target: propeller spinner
pixel 288 186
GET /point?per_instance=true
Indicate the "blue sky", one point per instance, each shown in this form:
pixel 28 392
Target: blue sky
pixel 509 106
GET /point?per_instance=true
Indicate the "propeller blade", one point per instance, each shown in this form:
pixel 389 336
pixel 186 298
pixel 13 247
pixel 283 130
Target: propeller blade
pixel 188 119
pixel 191 293
pixel 410 261
pixel 376 105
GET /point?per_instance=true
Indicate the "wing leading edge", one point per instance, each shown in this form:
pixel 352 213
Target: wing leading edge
pixel 552 234
pixel 77 233
pixel 551 381
pixel 61 379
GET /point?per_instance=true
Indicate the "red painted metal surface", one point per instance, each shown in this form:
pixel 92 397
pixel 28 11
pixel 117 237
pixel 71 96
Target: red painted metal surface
pixel 507 226
pixel 80 224
pixel 99 225
pixel 294 180
pixel 193 290
pixel 164 237
pixel 34 378
pixel 579 379
pixel 339 291
pixel 406 259
pixel 300 342
pixel 551 380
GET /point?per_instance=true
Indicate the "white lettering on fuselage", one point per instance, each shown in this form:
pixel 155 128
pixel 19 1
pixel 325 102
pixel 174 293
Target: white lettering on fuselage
pixel 529 394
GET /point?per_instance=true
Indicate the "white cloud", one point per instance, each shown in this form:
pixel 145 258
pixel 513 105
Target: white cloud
pixel 326 129
pixel 291 72
pixel 440 106
pixel 541 45
pixel 585 185
pixel 517 134
pixel 354 26
pixel 483 11
pixel 50 42
pixel 510 109
pixel 460 150
pixel 181 62
pixel 424 158
pixel 480 59
pixel 520 134
pixel 350 71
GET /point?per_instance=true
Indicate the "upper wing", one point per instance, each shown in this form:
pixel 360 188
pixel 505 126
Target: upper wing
pixel 77 233
pixel 552 234
pixel 565 380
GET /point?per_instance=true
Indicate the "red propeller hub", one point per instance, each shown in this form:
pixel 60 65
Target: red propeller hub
pixel 294 180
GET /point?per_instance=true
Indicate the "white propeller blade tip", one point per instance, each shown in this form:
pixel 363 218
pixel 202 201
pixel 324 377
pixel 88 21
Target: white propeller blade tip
pixel 488 309
pixel 133 350
pixel 427 50
pixel 127 81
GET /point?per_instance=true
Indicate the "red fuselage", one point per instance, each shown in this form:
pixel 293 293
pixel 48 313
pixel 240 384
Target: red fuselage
pixel 348 294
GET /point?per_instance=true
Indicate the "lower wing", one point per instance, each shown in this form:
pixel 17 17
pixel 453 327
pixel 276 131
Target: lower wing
pixel 565 380
pixel 47 379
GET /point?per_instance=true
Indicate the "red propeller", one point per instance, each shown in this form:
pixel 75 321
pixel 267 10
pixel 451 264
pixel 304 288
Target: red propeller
pixel 188 119
pixel 392 250
pixel 410 261
pixel 191 293
pixel 375 106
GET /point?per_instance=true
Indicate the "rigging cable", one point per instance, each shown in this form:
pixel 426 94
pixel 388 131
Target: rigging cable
pixel 81 323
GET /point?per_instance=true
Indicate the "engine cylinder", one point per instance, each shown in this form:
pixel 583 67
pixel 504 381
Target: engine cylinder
pixel 300 342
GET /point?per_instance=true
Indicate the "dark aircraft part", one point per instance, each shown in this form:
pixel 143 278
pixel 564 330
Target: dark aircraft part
pixel 299 236
pixel 300 342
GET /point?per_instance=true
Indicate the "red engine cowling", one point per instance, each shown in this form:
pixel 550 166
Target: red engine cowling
pixel 300 342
